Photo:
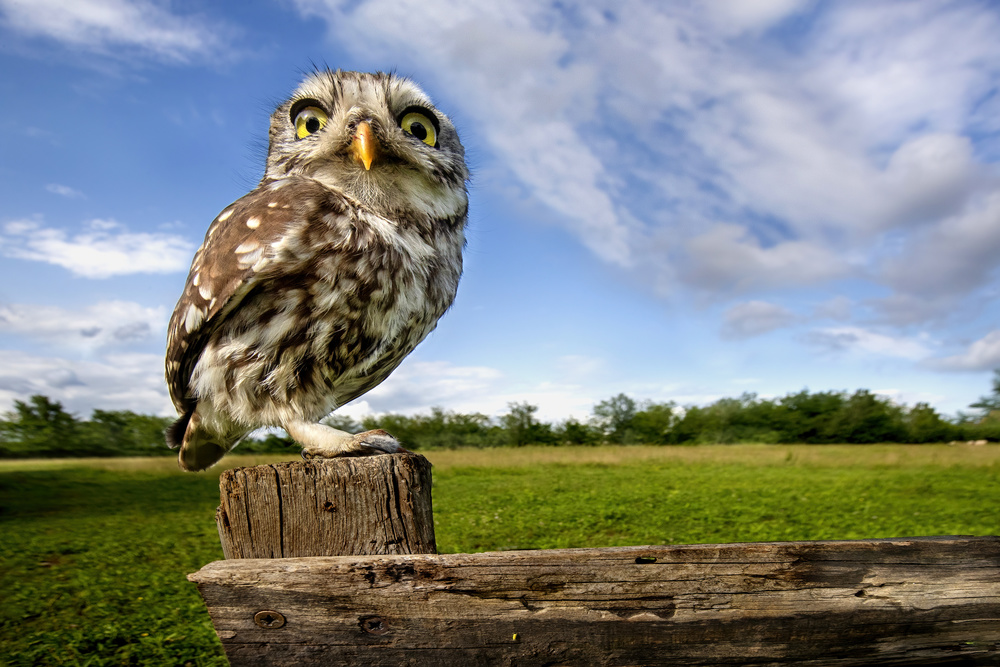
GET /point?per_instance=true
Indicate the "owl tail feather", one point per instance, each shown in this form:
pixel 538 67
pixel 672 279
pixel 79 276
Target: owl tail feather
pixel 175 432
pixel 199 448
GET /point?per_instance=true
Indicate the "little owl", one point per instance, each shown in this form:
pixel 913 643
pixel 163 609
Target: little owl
pixel 310 290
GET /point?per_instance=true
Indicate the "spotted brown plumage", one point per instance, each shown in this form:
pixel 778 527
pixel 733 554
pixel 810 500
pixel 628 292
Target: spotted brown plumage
pixel 308 291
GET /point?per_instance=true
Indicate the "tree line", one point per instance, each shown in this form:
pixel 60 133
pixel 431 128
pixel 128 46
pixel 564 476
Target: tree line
pixel 803 417
pixel 41 427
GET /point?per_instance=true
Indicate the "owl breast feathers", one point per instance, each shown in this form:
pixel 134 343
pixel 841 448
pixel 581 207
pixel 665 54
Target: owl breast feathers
pixel 311 289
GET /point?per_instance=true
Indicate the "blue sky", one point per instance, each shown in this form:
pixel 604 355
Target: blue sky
pixel 676 200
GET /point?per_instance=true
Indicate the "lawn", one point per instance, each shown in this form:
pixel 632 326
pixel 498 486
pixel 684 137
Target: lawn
pixel 95 552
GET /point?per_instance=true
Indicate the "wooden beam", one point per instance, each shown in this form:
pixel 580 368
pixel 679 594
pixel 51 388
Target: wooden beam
pixel 331 507
pixel 873 602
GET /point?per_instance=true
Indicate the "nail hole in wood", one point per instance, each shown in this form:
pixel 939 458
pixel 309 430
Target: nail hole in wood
pixel 269 619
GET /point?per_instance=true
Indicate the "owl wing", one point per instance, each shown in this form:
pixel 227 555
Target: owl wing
pixel 239 246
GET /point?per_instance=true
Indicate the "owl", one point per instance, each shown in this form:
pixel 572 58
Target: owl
pixel 310 290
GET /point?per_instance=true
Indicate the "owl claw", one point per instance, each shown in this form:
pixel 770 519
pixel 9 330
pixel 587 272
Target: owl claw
pixel 369 443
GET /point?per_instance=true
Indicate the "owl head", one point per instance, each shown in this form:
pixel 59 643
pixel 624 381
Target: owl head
pixel 376 137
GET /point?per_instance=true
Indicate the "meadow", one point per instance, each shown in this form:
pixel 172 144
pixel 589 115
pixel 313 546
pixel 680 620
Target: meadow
pixel 95 551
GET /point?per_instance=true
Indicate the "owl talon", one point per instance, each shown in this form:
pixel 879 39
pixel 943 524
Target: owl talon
pixel 381 442
pixel 369 443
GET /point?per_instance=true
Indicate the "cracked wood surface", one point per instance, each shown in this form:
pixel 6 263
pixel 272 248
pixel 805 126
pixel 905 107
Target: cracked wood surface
pixel 327 507
pixel 904 601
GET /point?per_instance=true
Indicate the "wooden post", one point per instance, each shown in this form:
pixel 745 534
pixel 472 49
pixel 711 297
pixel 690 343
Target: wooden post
pixel 333 507
pixel 911 601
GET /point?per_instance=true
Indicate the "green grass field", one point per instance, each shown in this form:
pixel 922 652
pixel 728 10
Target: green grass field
pixel 95 552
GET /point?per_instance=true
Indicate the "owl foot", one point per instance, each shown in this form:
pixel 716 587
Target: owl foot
pixel 320 441
pixel 369 443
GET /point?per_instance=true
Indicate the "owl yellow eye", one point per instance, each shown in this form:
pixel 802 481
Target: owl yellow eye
pixel 420 125
pixel 309 121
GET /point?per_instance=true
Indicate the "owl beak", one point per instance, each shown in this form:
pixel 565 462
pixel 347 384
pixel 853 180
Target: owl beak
pixel 363 146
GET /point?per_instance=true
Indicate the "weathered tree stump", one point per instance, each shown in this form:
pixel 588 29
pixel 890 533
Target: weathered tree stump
pixel 334 507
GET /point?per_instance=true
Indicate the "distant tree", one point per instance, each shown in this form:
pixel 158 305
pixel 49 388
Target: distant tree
pixel 522 428
pixel 924 424
pixel 984 422
pixel 867 418
pixel 742 419
pixel 267 443
pixel 992 402
pixel 41 427
pixel 806 417
pixel 726 421
pixel 688 426
pixel 574 432
pixel 439 429
pixel 125 433
pixel 470 430
pixel 984 427
pixel 654 422
pixel 519 423
pixel 617 415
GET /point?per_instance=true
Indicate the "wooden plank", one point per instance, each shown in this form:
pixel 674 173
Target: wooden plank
pixel 873 602
pixel 331 507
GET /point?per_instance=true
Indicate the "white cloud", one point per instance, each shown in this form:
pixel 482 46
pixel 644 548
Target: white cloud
pixel 946 269
pixel 728 259
pixel 578 367
pixel 946 260
pixel 636 122
pixel 883 62
pixel 737 16
pixel 117 27
pixel 104 325
pixel 981 355
pixel 754 318
pixel 556 401
pixel 932 176
pixel 102 250
pixel 900 309
pixel 419 385
pixel 835 308
pixel 120 382
pixel 909 397
pixel 63 190
pixel 864 341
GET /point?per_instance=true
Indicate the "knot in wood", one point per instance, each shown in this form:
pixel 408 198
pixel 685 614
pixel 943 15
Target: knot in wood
pixel 269 619
pixel 373 625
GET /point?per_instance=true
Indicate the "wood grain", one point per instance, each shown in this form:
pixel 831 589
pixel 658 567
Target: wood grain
pixel 905 601
pixel 367 505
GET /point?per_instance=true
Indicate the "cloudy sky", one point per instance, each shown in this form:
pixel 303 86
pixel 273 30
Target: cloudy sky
pixel 675 200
